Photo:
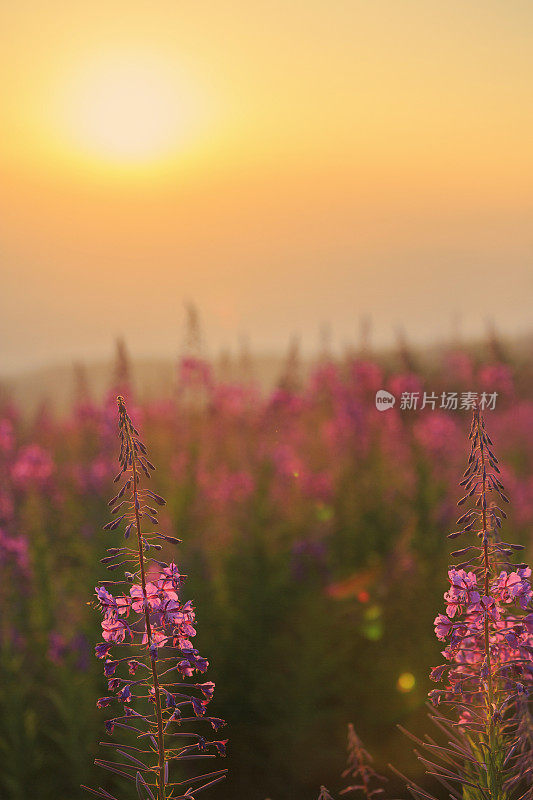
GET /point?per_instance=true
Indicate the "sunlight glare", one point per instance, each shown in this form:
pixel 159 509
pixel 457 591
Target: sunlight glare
pixel 129 109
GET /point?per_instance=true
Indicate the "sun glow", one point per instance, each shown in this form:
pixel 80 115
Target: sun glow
pixel 129 110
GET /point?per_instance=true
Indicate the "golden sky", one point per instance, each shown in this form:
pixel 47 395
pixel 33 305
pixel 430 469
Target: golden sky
pixel 282 164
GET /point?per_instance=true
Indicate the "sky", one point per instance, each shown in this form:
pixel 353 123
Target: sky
pixel 283 165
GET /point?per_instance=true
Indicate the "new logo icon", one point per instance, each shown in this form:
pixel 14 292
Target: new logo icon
pixel 384 400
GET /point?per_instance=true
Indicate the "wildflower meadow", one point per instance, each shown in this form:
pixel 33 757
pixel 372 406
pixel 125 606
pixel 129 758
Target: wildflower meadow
pixel 351 573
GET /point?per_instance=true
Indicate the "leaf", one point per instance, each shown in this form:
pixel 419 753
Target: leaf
pixel 143 790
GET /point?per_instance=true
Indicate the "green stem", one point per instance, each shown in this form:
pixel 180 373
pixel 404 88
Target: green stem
pixel 492 778
pixel 155 678
pixel 486 562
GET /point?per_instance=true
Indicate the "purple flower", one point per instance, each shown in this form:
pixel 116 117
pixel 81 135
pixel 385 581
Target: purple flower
pixel 216 723
pixel 207 689
pixel 185 668
pixel 152 597
pixel 198 706
pixel 125 694
pixel 490 640
pixel 158 624
pixel 221 746
pixel 33 467
pixel 102 650
pixel 114 630
pixel 443 626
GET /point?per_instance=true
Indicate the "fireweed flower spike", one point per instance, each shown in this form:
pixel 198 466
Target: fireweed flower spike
pixel 358 769
pixel 148 679
pixel 489 649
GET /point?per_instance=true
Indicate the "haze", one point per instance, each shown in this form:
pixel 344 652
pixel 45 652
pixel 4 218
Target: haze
pixel 280 164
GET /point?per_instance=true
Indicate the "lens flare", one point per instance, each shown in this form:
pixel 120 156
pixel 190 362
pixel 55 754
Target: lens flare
pixel 406 682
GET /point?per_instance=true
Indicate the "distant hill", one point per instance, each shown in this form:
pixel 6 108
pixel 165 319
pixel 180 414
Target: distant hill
pixel 154 377
pixel 151 378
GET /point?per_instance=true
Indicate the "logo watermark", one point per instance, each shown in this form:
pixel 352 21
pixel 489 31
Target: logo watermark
pixel 449 401
pixel 384 400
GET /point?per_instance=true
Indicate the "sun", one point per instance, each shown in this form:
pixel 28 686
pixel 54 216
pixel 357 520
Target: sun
pixel 129 109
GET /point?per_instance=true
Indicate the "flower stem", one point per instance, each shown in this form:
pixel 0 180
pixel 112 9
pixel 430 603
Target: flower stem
pixel 486 563
pixel 492 779
pixel 155 678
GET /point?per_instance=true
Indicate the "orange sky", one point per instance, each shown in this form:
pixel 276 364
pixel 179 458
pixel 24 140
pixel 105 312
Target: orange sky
pixel 281 164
